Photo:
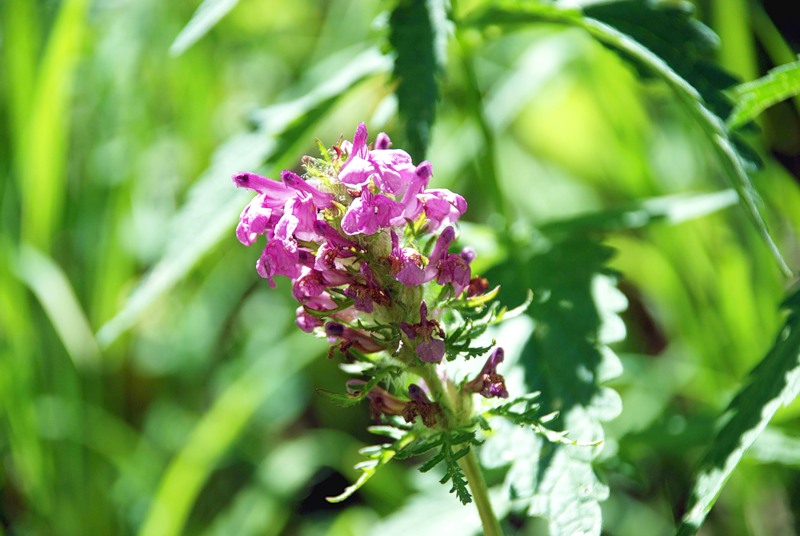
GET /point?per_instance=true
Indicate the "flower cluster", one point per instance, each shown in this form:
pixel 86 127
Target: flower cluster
pixel 366 245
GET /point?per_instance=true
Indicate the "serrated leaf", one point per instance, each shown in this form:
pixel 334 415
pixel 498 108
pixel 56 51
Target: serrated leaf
pixel 773 383
pixel 754 97
pixel 461 453
pixel 339 399
pixel 433 462
pixel 417 35
pixel 669 30
pixel 482 299
pixel 566 359
pixel 208 14
pixel 646 60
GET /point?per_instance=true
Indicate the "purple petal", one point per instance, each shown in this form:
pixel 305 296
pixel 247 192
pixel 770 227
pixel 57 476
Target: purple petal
pixel 430 351
pixel 357 172
pixel 256 219
pixel 453 269
pixel 382 141
pixel 309 285
pixel 368 213
pixel 278 258
pixel 442 207
pixel 294 181
pixel 468 254
pixel 274 192
pixel 442 243
pixel 305 321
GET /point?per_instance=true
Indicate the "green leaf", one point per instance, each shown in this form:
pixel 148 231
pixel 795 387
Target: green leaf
pixel 43 147
pixel 208 14
pixel 377 456
pixel 646 60
pixel 754 97
pixel 685 44
pixel 567 359
pixel 368 469
pixel 773 383
pixel 51 287
pixel 672 209
pixel 418 37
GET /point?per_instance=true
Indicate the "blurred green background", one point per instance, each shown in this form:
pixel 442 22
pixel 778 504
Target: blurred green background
pixel 152 383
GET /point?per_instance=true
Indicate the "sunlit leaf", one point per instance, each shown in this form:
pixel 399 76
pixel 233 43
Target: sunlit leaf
pixel 773 383
pixel 669 30
pixel 208 14
pixel 646 60
pixel 54 291
pixel 754 97
pixel 670 209
pixel 567 359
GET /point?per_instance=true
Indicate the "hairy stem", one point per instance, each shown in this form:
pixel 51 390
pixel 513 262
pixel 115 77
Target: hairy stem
pixel 480 493
pixel 453 414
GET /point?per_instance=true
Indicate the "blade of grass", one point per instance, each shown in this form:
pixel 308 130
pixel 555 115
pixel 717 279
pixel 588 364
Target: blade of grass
pixel 737 51
pixel 41 161
pixel 218 430
pixel 208 14
pixel 17 386
pixel 53 290
pixel 20 27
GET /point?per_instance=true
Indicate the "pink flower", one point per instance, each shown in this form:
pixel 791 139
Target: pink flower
pixel 442 207
pixel 450 268
pixel 369 213
pixel 275 193
pixel 255 219
pixel 488 382
pixel 428 348
pixel 408 266
pixel 279 258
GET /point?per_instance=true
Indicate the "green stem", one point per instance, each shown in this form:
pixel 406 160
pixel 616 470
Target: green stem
pixel 480 493
pixel 454 412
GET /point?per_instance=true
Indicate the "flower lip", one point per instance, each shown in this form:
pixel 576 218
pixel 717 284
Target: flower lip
pixel 334 329
pixel 382 141
pixel 262 185
pixel 468 254
pixel 488 383
pixel 427 348
pixel 295 182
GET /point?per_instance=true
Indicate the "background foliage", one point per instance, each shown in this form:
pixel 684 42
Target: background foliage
pixel 151 383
